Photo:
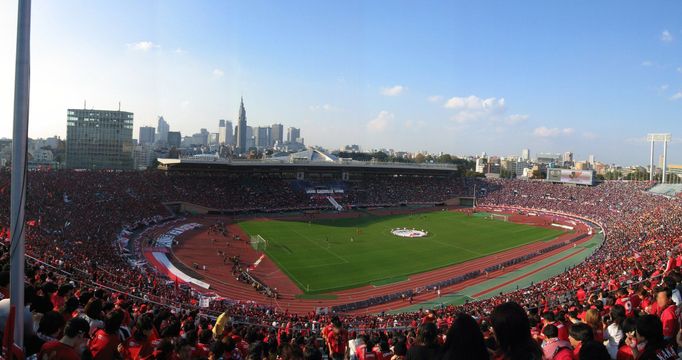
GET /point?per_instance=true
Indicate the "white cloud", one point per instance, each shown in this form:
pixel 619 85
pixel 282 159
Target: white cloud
pixel 474 103
pixel 323 107
pixel 143 46
pixel 666 36
pixel 589 135
pixel 546 132
pixel 381 122
pixel 516 118
pixel 409 124
pixel 472 108
pixel 434 98
pixel 393 90
pixel 676 96
pixel 217 73
pixel 647 63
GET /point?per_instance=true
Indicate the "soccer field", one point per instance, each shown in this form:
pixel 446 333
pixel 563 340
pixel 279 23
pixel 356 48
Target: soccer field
pixel 320 256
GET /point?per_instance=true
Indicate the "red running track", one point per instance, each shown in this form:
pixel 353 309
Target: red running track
pixel 198 247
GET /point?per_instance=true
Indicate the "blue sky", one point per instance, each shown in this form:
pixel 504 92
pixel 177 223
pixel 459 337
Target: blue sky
pixel 591 77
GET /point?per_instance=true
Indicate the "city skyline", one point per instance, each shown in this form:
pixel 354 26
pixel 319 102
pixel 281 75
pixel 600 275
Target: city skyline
pixel 455 78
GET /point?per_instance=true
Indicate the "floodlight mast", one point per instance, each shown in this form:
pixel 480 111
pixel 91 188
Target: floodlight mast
pixel 665 139
pixel 18 184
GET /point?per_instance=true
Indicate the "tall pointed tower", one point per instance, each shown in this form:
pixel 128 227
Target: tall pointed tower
pixel 241 128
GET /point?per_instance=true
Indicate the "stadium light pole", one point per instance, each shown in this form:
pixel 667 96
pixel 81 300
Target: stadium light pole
pixel 651 161
pixel 18 182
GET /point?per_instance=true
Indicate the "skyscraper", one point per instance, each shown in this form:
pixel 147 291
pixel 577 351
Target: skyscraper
pixel 293 134
pixel 146 135
pixel 568 157
pixel 241 128
pixel 525 154
pixel 229 133
pixel 263 136
pixel 221 131
pixel 277 134
pixel 99 139
pixel 162 129
pixel 174 139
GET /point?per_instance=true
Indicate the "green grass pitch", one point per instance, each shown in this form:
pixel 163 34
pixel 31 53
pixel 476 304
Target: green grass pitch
pixel 320 257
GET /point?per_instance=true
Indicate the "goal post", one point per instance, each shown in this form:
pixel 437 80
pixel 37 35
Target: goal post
pixel 258 243
pixel 499 217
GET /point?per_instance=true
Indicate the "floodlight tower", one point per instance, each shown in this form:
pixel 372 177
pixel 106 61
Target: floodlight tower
pixel 665 139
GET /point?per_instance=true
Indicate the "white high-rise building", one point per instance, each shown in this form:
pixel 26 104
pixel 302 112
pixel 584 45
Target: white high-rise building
pixel 590 159
pixel 277 134
pixel 162 130
pixel 293 134
pixel 525 154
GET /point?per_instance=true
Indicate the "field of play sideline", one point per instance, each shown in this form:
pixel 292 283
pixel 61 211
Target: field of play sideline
pixel 328 255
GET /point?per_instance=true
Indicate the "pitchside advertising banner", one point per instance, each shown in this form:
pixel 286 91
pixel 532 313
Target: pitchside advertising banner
pixel 581 177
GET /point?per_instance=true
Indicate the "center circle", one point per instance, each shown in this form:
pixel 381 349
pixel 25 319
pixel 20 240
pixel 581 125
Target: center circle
pixel 409 233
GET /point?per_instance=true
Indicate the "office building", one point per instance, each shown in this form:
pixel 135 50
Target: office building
pixel 225 136
pixel 174 139
pixel 162 129
pixel 262 137
pixel 147 134
pixel 293 134
pixel 277 134
pixel 525 154
pixel 99 139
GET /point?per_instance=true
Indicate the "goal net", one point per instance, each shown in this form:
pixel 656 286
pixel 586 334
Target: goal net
pixel 500 217
pixel 258 243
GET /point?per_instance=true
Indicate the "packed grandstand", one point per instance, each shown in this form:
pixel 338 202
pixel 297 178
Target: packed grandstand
pixel 81 285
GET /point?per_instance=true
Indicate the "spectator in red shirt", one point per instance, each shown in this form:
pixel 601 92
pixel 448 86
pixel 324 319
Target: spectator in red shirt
pixel 105 341
pixel 59 298
pixel 624 350
pixel 578 335
pixel 649 334
pixel 71 345
pixel 554 348
pixel 593 319
pixel 337 340
pixel 139 346
pixel 667 312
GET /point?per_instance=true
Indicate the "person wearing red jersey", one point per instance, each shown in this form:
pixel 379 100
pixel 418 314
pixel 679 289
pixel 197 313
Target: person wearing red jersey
pixel 554 348
pixel 649 343
pixel 105 341
pixel 579 334
pixel 71 345
pixel 624 350
pixel 139 346
pixel 622 298
pixel 667 312
pixel 581 294
pixel 549 318
pixel 337 340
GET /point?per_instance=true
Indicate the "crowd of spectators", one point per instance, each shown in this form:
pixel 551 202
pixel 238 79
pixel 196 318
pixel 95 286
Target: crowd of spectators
pixel 84 301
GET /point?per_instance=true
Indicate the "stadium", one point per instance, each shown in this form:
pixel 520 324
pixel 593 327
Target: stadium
pixel 379 202
pixel 204 239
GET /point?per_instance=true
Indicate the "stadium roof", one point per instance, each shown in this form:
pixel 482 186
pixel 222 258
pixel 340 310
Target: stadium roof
pixel 311 155
pixel 306 159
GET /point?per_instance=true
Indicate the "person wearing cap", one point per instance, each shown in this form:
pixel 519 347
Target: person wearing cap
pixel 71 345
